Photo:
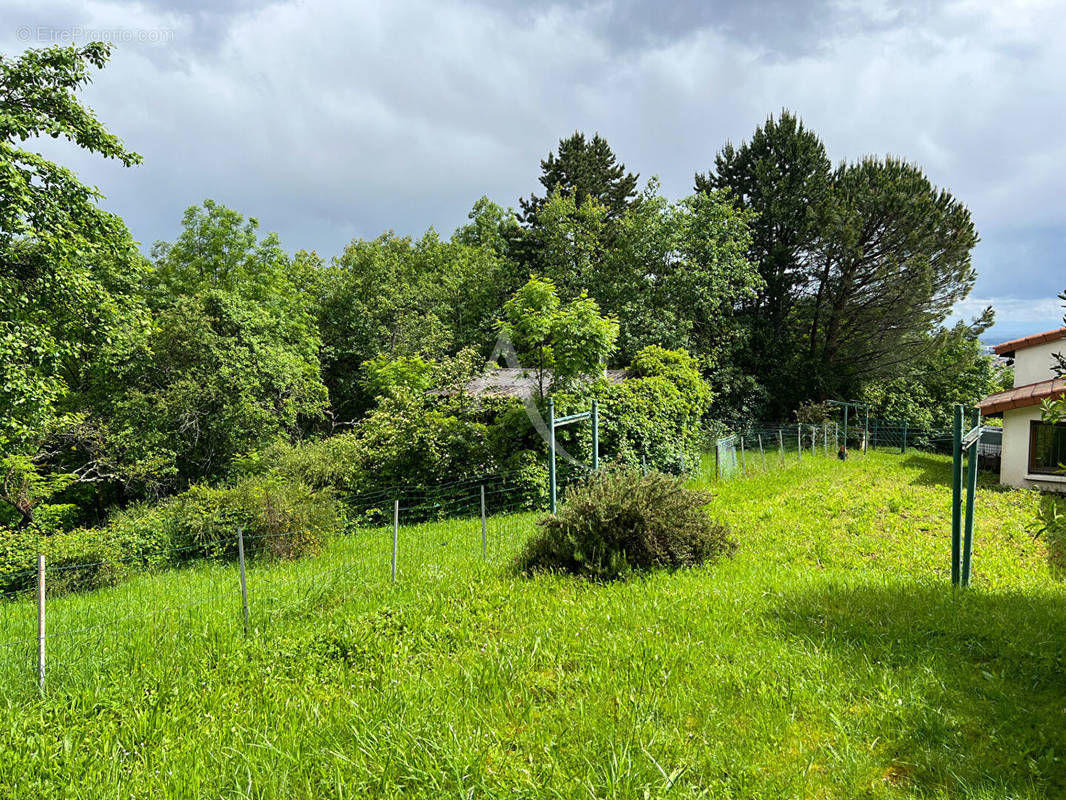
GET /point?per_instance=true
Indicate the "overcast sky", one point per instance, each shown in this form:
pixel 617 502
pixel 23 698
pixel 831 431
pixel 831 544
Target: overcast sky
pixel 329 120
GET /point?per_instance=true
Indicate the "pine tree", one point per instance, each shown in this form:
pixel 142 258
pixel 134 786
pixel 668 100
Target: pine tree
pixel 588 169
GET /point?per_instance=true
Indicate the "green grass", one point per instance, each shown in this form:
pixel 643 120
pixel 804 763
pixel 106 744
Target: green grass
pixel 828 658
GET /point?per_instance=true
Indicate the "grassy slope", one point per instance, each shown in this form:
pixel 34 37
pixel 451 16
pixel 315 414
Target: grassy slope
pixel 828 658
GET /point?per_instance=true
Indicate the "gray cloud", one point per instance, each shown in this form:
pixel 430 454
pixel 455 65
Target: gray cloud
pixel 328 120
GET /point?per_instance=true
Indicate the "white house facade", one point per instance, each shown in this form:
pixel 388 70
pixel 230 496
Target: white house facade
pixel 1033 451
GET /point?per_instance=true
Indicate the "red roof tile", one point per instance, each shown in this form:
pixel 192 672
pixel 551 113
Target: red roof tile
pixel 1021 396
pixel 1029 341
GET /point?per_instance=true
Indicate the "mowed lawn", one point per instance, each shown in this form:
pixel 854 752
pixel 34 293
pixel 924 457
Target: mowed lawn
pixel 829 658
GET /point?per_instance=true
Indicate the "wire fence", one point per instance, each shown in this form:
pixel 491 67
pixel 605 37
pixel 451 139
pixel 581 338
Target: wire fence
pixel 400 537
pixel 49 636
pixel 763 447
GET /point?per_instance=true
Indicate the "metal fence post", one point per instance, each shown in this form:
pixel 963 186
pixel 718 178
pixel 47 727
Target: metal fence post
pixel 971 497
pixel 845 428
pixel 762 454
pixel 956 497
pixel 40 621
pixel 244 581
pixel 595 436
pixel 551 454
pixel 395 535
pixel 781 446
pixel 484 537
pixel 825 437
pixel 799 442
pixel 814 439
pixel 903 447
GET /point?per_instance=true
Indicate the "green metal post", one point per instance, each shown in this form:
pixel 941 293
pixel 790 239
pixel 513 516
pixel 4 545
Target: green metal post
pixel 971 496
pixel 595 436
pixel 551 453
pixel 903 447
pixel 956 498
pixel 866 432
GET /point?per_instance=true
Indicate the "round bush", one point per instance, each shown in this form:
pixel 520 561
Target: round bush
pixel 620 522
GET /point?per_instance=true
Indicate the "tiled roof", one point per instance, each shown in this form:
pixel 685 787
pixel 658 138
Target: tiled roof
pixel 1022 396
pixel 1007 348
pixel 508 382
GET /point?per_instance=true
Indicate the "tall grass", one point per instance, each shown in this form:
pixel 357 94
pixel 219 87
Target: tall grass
pixel 829 658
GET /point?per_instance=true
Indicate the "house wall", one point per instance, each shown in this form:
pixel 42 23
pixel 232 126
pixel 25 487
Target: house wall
pixel 1014 466
pixel 1034 364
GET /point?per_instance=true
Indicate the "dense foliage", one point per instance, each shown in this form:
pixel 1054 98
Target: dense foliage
pixel 223 358
pixel 860 265
pixel 621 521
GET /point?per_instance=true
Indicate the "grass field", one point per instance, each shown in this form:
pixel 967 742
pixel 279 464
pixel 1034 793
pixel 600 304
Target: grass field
pixel 829 658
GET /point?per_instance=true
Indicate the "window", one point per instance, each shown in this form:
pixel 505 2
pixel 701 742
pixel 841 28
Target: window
pixel 1047 448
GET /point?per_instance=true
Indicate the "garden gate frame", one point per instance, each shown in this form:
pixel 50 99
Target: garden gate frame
pixel 866 425
pixel 554 423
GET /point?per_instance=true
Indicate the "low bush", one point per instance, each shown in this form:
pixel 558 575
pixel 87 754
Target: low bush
pixel 76 560
pixel 1051 524
pixel 281 518
pixel 620 521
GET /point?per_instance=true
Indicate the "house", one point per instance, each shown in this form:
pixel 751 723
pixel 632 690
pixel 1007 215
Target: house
pixel 1032 449
pixel 518 382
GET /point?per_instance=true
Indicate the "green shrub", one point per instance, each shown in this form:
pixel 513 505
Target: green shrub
pixel 620 522
pixel 282 518
pixel 655 416
pixel 1051 524
pixel 77 560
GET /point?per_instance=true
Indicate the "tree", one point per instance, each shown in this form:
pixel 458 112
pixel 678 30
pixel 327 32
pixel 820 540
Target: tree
pixel 528 319
pixel 66 266
pixel 894 259
pixel 231 362
pixel 572 340
pixel 396 297
pixel 1055 408
pixel 952 369
pixel 570 241
pixel 861 265
pixel 585 169
pixel 782 175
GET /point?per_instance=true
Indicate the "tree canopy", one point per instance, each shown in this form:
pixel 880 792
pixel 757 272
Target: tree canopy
pixel 781 280
pixel 586 169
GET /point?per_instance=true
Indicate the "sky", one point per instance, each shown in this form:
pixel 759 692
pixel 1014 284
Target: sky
pixel 329 120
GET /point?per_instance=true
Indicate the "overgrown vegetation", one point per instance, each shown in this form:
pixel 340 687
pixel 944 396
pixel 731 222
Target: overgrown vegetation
pixel 620 522
pixel 129 378
pixel 828 657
